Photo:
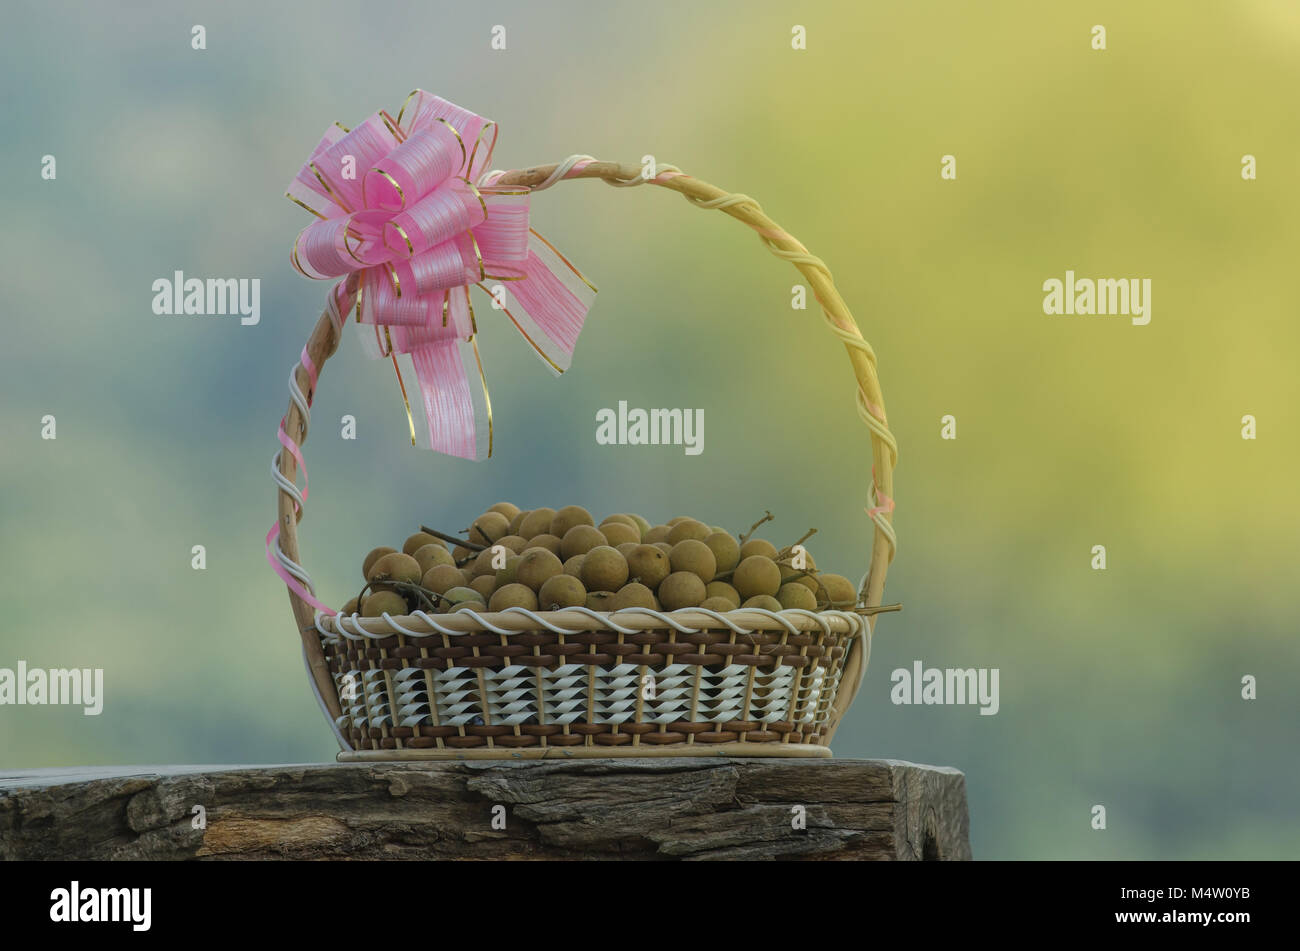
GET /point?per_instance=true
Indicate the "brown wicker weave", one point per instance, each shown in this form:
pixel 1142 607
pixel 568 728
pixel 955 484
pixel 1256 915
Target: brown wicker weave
pixel 585 683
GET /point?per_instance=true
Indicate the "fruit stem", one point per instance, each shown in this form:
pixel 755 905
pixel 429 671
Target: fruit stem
pixel 767 517
pixel 462 542
pixel 788 550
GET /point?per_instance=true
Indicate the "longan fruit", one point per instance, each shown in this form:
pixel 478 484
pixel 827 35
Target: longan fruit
pixel 838 590
pixel 483 563
pixel 537 522
pixel 573 566
pixel 694 556
pixel 604 569
pixel 488 527
pixel 478 606
pixel 513 596
pixel 508 509
pixel 764 601
pixel 720 589
pixel 681 589
pixel 656 533
pixel 513 527
pixel 721 605
pixel 599 600
pixel 756 575
pixel 430 555
pixel 349 607
pixel 567 517
pixel 616 533
pixel 535 566
pixel 688 528
pixel 460 553
pixel 545 540
pixel 808 572
pixel 758 546
pixel 649 565
pixel 442 578
pixel 506 575
pixel 467 573
pixel 795 595
pixel 664 547
pixel 642 525
pixel 634 595
pixel 417 541
pixel 581 539
pixel 484 585
pixel 377 603
pixel 726 550
pixel 560 592
pixel 677 518
pixel 627 548
pixel 462 595
pixel 625 519
pixel 516 543
pixel 374 556
pixel 395 567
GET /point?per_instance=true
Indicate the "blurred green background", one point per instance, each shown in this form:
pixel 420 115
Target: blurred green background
pixel 1118 687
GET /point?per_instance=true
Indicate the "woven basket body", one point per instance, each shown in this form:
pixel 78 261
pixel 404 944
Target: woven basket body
pixel 585 683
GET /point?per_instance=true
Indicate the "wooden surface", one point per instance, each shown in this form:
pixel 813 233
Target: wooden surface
pixel 718 808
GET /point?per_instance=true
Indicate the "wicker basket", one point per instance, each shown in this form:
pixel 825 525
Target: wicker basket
pixel 576 682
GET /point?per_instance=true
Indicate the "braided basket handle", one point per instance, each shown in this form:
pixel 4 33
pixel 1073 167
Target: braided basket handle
pixel 870 402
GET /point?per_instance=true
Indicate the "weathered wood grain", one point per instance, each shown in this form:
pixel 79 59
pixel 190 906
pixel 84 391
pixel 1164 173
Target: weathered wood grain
pixel 629 809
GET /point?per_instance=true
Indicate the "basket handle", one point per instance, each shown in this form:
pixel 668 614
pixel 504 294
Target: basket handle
pixel 870 401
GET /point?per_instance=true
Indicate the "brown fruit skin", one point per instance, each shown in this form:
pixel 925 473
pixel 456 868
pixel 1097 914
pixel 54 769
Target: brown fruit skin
pixel 720 589
pixel 626 548
pixel 664 547
pixel 721 605
pixel 581 539
pixel 756 575
pixel 599 600
pixel 625 519
pixel 795 595
pixel 442 578
pixel 430 555
pixel 657 533
pixel 488 527
pixel 678 518
pixel 681 589
pixel 463 595
pixel 374 556
pixel 567 517
pixel 508 509
pixel 377 603
pixel 838 590
pixel 478 606
pixel 634 595
pixel 484 585
pixel 513 527
pixel 562 591
pixel 573 566
pixel 513 596
pixel 460 553
pixel 688 528
pixel 758 546
pixel 604 569
pixel 396 567
pixel 616 533
pixel 649 565
pixel 764 601
pixel 537 522
pixel 547 541
pixel 641 524
pixel 809 572
pixel 516 543
pixel 694 556
pixel 726 550
pixel 417 541
pixel 506 575
pixel 535 566
pixel 468 574
pixel 349 607
pixel 482 563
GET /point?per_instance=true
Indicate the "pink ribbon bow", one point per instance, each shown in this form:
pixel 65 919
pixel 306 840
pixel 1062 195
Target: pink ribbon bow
pixel 398 205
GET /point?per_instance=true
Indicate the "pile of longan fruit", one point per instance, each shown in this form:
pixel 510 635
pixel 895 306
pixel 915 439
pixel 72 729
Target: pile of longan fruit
pixel 547 560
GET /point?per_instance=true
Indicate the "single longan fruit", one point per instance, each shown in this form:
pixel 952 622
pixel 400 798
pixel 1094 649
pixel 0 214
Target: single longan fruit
pixel 720 605
pixel 513 596
pixel 442 578
pixel 483 562
pixel 758 546
pixel 664 547
pixel 649 565
pixel 478 606
pixel 641 524
pixel 838 590
pixel 506 575
pixel 535 566
pixel 600 600
pixel 560 592
pixel 460 553
pixel 430 555
pixel 634 595
pixel 349 607
pixel 461 595
pixel 720 589
pixel 756 575
pixel 573 566
pixel 567 517
pixel 677 518
pixel 625 519
pixel 681 589
pixel 488 527
pixel 688 528
pixel 546 540
pixel 657 533
pixel 808 572
pixel 626 548
pixel 616 533
pixel 396 567
pixel 516 543
pixel 795 595
pixel 378 603
pixel 484 585
pixel 581 539
pixel 726 550
pixel 467 573
pixel 763 601
pixel 694 556
pixel 508 509
pixel 516 521
pixel 374 556
pixel 537 522
pixel 417 541
pixel 604 569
